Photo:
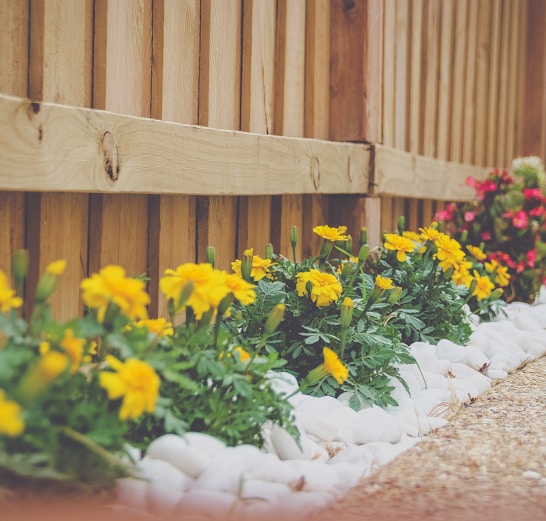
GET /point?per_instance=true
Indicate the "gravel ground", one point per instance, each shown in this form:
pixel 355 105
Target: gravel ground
pixel 487 464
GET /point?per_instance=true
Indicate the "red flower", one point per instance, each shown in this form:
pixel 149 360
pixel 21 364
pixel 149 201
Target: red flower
pixel 520 220
pixel 532 193
pixel 531 258
pixel 469 216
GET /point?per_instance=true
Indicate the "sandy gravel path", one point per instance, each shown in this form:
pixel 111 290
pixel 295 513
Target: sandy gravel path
pixel 487 464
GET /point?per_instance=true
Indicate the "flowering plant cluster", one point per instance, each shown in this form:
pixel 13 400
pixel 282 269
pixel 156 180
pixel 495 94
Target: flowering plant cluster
pixel 73 395
pixel 507 222
pixel 365 309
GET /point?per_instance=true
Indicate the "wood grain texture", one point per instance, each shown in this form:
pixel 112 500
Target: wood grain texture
pixel 317 117
pixel 122 83
pixel 60 70
pixel 289 111
pixel 219 107
pixel 257 112
pixel 403 174
pixel 172 231
pixel 71 149
pixel 13 81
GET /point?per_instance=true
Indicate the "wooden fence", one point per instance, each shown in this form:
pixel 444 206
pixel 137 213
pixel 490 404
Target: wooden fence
pixel 274 113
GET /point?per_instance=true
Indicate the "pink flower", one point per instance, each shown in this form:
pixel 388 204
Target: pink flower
pixel 532 193
pixel 520 220
pixel 469 216
pixel 486 235
pixel 539 211
pixel 531 258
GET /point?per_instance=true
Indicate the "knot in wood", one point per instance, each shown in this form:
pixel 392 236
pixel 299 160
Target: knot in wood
pixel 110 156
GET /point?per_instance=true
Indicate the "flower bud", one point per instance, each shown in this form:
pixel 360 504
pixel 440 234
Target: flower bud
pixel 363 253
pixel 269 251
pixel 50 365
pixel 496 294
pixel 349 244
pixel 326 249
pixel 211 255
pixel 394 295
pixel 19 269
pixel 401 225
pixel 185 294
pixel 274 318
pixel 347 308
pixel 363 235
pixel 472 286
pixel 225 304
pixel 48 281
pixel 294 236
pixel 246 265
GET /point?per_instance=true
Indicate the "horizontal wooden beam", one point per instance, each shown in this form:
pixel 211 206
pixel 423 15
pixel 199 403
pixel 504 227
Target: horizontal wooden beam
pixel 46 147
pixel 402 174
pixel 55 148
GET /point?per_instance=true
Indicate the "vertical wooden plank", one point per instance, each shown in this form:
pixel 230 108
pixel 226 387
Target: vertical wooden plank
pixel 219 107
pixel 13 80
pixel 122 83
pixel 535 80
pixel 508 38
pixel 257 110
pixel 289 111
pixel 470 87
pixel 432 69
pixel 317 121
pixel 60 71
pixel 355 64
pixel 522 54
pixel 459 72
pixel 483 50
pixel 401 109
pixel 494 107
pixel 401 72
pixel 356 89
pixel 388 205
pixel 446 78
pixel 175 94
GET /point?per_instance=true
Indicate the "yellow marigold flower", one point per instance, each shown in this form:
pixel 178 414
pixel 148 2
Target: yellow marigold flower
pixel 243 291
pixel 429 233
pixel 56 268
pixel 412 236
pixel 159 327
pixel 135 382
pixel 331 234
pixel 243 355
pixel 11 422
pixel 209 286
pixel 111 285
pixel 476 252
pixel 401 245
pixel 449 251
pixel 72 346
pixel 42 374
pixel 484 286
pixel 260 267
pixel 334 366
pixel 461 274
pixel 325 288
pixel 8 299
pixel 383 283
pixel 502 276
